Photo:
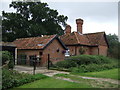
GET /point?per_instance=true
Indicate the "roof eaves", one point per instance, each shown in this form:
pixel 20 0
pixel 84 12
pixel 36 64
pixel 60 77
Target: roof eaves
pixel 93 33
pixel 62 43
pixel 49 42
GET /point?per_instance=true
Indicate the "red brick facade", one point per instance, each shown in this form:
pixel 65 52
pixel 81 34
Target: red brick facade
pixel 54 48
pixel 91 43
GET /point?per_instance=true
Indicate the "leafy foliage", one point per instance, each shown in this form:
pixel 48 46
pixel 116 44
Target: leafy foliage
pixel 11 78
pixel 87 63
pixel 7 57
pixel 93 67
pixel 65 64
pixel 82 50
pixel 114 46
pixel 31 19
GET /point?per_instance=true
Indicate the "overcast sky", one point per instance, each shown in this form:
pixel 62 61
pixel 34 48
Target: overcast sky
pixel 97 16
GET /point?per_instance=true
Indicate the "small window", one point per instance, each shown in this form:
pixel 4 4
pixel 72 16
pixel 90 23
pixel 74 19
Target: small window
pixel 58 50
pixel 41 53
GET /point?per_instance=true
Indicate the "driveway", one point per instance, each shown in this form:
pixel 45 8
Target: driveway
pixel 50 73
pixel 43 70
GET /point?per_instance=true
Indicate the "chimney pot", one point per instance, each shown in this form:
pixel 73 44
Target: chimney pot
pixel 79 23
pixel 68 29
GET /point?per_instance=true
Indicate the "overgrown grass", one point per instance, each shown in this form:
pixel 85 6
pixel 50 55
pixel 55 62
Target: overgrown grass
pixel 55 83
pixel 112 73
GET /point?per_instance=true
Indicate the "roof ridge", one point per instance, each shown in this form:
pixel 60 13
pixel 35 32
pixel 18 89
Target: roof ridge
pixel 93 33
pixel 34 37
pixel 76 37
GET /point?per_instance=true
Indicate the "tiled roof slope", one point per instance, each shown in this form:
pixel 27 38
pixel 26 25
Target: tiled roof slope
pixel 90 39
pixel 96 38
pixel 33 42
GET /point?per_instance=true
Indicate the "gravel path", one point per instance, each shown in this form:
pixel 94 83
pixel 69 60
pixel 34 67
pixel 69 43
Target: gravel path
pixel 51 73
pixel 100 79
pixel 42 70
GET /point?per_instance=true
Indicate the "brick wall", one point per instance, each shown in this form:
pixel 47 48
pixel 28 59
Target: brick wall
pixel 103 50
pixel 28 53
pixel 94 51
pixel 72 50
pixel 85 48
pixel 55 50
pixel 88 50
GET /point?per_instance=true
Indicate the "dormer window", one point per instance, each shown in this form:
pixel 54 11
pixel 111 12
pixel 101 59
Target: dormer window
pixel 40 44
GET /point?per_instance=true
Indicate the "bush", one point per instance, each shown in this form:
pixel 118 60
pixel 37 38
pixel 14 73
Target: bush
pixel 65 64
pixel 87 63
pixel 92 68
pixel 7 57
pixel 90 59
pixel 76 61
pixel 11 78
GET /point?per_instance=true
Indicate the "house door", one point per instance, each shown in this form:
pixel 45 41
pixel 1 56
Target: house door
pixel 32 58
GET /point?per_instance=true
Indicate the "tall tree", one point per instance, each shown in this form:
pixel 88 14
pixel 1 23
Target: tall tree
pixel 31 19
pixel 114 46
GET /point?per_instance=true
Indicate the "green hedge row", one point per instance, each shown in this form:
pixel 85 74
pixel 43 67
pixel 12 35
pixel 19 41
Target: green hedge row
pixel 7 57
pixel 87 63
pixel 11 78
pixel 92 68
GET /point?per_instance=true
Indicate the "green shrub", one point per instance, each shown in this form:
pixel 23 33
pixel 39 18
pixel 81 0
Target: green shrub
pixel 11 78
pixel 76 61
pixel 89 59
pixel 7 57
pixel 65 64
pixel 92 68
pixel 87 63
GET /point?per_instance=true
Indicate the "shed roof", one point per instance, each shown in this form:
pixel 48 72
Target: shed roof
pixel 36 42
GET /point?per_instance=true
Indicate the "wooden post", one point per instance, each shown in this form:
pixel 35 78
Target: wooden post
pixel 34 65
pixel 16 56
pixel 48 60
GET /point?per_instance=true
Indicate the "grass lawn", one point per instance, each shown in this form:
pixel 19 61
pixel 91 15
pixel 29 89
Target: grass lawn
pixel 112 73
pixel 54 83
pixel 51 82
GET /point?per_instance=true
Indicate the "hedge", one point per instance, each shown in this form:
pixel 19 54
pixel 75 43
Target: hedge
pixel 87 63
pixel 11 78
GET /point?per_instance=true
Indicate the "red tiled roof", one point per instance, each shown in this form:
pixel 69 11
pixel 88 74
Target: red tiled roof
pixel 74 38
pixel 33 42
pixel 91 39
pixel 96 38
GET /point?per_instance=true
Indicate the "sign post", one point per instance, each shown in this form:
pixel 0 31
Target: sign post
pixel 35 60
pixel 34 66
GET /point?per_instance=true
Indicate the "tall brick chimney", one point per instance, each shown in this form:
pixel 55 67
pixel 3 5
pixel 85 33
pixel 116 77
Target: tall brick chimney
pixel 79 23
pixel 68 29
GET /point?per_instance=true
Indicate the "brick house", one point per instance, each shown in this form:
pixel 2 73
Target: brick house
pixel 29 48
pixel 79 43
